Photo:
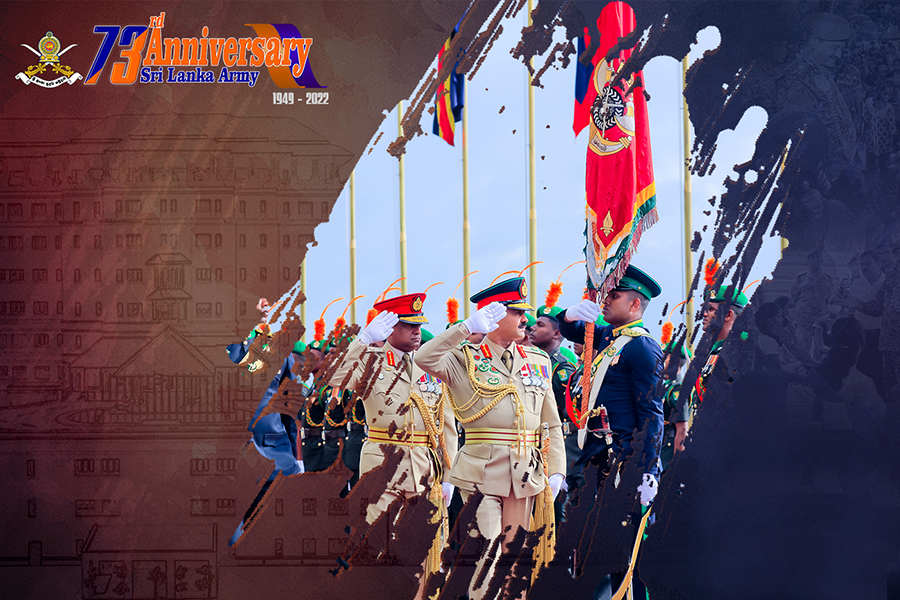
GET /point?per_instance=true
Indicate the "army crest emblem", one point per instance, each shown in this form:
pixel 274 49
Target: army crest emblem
pixel 48 64
pixel 612 114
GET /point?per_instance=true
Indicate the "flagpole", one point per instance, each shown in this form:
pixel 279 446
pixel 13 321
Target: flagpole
pixel 465 160
pixel 353 244
pixel 688 221
pixel 303 304
pixel 402 205
pixel 532 204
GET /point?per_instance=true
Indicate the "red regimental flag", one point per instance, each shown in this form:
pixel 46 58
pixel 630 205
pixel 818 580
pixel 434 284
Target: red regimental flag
pixel 620 191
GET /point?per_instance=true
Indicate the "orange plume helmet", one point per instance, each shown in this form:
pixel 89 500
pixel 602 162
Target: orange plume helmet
pixel 668 328
pixel 453 303
pixel 342 320
pixel 320 322
pixel 555 289
pixel 452 310
pixel 390 288
pixel 750 285
pixel 537 262
pixel 339 324
pixel 320 329
pixel 710 270
pixel 371 314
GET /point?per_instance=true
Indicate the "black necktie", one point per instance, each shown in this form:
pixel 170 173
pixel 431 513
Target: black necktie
pixel 507 361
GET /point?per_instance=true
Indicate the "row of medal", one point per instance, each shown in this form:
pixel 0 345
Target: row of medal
pixel 535 376
pixel 427 383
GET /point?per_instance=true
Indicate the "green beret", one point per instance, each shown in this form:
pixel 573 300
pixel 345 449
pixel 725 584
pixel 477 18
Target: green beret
pixel 299 347
pixel 426 336
pixel 683 350
pixel 550 313
pixel 570 356
pixel 737 296
pixel 636 280
pixel 530 321
pixel 320 345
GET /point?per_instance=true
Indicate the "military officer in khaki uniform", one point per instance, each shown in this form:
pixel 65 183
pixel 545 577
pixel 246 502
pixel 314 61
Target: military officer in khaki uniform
pixel 404 408
pixel 501 394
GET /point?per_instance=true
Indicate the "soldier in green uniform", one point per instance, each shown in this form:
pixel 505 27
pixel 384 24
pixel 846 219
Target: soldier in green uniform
pixel 546 336
pixel 719 316
pixel 568 355
pixel 320 428
pixel 676 357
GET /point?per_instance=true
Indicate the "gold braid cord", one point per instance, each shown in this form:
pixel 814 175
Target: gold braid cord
pixel 433 417
pixel 588 360
pixel 586 415
pixel 493 392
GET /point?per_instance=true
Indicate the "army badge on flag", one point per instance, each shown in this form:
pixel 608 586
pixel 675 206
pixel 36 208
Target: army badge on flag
pixel 619 185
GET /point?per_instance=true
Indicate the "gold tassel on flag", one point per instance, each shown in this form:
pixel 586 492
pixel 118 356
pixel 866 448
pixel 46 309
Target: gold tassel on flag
pixel 544 515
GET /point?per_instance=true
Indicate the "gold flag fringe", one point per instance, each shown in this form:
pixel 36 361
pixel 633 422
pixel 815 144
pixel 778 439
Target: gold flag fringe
pixel 544 515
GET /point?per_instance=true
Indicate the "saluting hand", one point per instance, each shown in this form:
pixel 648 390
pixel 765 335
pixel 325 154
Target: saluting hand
pixel 379 329
pixel 586 310
pixel 485 320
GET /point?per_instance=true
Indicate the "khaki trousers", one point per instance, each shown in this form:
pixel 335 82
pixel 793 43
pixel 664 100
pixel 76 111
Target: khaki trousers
pixel 492 518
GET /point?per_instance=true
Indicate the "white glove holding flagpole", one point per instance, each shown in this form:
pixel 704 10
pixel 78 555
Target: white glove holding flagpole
pixel 586 310
pixel 379 329
pixel 485 320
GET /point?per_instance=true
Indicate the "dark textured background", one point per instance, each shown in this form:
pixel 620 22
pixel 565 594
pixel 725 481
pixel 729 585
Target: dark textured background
pixel 121 435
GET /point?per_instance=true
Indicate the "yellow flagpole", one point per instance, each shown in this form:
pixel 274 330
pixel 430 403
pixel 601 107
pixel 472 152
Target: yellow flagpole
pixel 353 245
pixel 465 159
pixel 402 205
pixel 532 199
pixel 688 221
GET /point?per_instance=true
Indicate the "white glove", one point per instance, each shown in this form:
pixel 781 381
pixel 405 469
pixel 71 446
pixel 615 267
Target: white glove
pixel 557 481
pixel 447 491
pixel 485 320
pixel 586 310
pixel 379 329
pixel 302 468
pixel 648 488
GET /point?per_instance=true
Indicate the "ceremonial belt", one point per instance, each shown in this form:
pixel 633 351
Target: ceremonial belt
pixel 599 368
pixel 318 432
pixel 381 435
pixel 501 437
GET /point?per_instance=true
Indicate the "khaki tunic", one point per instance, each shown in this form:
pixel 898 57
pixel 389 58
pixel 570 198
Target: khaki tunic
pixel 497 470
pixel 384 409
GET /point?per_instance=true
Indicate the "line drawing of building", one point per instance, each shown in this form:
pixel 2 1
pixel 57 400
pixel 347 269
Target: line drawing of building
pixel 133 249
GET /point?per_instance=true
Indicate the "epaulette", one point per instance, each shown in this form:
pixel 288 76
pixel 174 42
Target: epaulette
pixel 536 350
pixel 635 332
